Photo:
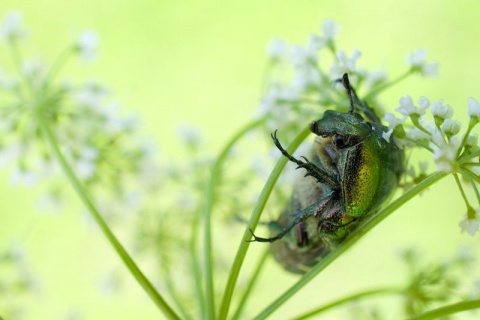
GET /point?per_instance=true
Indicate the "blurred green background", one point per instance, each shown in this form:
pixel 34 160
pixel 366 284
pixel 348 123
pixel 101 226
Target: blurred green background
pixel 200 63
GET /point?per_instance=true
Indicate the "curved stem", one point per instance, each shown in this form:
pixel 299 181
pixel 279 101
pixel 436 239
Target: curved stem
pixel 122 253
pixel 387 85
pixel 209 198
pixel 448 310
pixel 196 270
pixel 350 298
pixel 254 218
pixel 351 240
pixel 251 284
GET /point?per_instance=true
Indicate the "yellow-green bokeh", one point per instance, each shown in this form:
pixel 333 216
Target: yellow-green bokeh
pixel 200 63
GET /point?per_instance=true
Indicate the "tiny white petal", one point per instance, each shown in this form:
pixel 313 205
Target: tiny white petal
pixel 276 48
pixel 451 126
pixel 423 102
pixel 472 140
pixel 87 44
pixel 473 108
pixel 471 226
pixel 441 110
pixel 12 29
pixel 430 69
pixel 330 29
pixel 417 58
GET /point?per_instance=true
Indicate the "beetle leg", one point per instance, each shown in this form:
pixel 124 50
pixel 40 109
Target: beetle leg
pixel 312 170
pixel 300 216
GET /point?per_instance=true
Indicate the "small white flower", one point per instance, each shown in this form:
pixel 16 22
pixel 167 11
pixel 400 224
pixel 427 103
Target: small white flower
pixel 10 152
pixel 314 45
pixel 393 122
pixel 12 28
pixel 87 45
pixel 473 108
pixel 23 176
pixel 343 64
pixel 276 48
pixel 429 70
pixel 417 58
pixel 330 29
pixel 417 134
pixel 85 164
pixel 423 102
pixel 471 226
pixel 32 68
pixel 91 95
pixel 441 110
pixel 451 127
pixel 472 140
pixel 444 155
pixel 84 168
pixel 375 77
pixel 407 108
pixel 6 81
pixel 189 135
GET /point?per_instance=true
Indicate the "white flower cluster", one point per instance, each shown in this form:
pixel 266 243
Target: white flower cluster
pixel 439 134
pixel 96 138
pixel 300 85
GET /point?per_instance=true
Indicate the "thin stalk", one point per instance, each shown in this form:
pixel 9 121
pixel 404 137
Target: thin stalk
pixel 207 210
pixel 254 218
pixel 197 274
pixel 462 192
pixel 251 284
pixel 120 250
pixel 58 64
pixel 387 85
pixel 350 298
pixel 351 240
pixel 448 310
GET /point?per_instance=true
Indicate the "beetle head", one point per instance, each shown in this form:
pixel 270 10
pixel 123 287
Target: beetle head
pixel 346 129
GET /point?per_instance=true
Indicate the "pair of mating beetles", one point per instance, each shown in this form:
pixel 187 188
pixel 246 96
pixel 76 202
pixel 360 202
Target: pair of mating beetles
pixel 350 172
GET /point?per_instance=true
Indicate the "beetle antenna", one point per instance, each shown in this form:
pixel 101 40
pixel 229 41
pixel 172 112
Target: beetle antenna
pixel 346 84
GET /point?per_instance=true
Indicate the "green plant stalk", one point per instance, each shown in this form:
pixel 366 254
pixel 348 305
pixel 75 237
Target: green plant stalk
pixel 448 310
pixel 387 85
pixel 197 274
pixel 207 210
pixel 254 218
pixel 350 298
pixel 122 253
pixel 251 284
pixel 352 239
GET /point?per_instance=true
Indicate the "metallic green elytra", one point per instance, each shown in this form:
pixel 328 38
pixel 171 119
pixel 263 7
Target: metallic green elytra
pixel 350 172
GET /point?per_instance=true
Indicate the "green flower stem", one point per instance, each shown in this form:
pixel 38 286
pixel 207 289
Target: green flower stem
pixel 471 124
pixel 251 284
pixel 207 210
pixel 254 218
pixel 388 85
pixel 196 270
pixel 58 64
pixel 350 298
pixel 448 310
pixel 462 192
pixel 467 158
pixel 122 253
pixel 352 239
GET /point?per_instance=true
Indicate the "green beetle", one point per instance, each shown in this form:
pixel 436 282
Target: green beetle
pixel 350 172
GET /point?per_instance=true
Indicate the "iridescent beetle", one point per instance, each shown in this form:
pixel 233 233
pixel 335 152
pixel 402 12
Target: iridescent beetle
pixel 351 171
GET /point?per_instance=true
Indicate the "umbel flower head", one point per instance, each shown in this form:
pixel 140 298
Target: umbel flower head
pixel 439 134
